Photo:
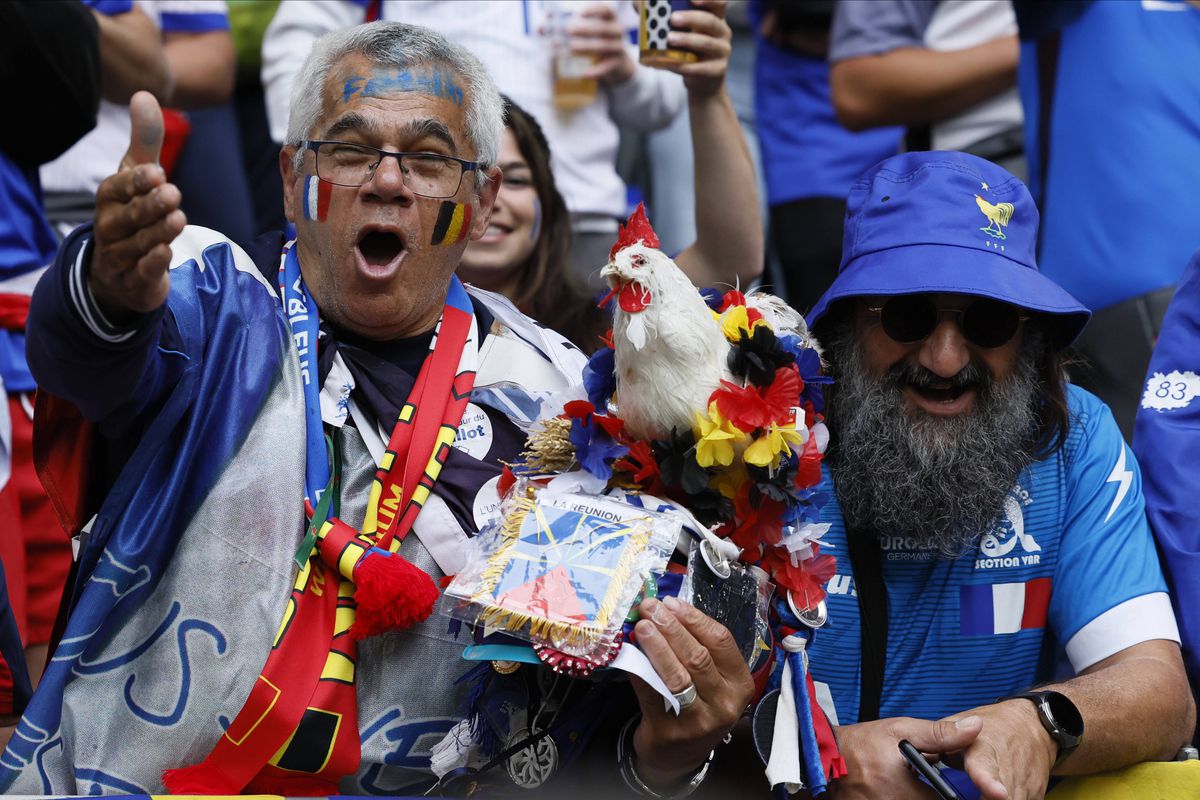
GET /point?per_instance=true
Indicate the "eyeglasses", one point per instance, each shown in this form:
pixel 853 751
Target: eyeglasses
pixel 425 174
pixel 984 322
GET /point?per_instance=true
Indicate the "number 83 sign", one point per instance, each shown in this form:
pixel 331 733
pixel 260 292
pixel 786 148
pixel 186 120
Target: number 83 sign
pixel 1172 390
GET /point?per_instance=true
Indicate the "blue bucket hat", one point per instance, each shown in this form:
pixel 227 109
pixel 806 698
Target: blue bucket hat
pixel 947 222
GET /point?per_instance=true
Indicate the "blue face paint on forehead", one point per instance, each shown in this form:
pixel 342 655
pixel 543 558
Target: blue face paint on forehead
pixel 434 81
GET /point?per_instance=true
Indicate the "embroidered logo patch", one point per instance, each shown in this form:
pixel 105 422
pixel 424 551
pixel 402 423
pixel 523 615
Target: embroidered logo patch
pixel 998 216
pixel 1175 389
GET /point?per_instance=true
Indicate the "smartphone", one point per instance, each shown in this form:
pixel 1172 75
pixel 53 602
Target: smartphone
pixel 652 33
pixel 930 772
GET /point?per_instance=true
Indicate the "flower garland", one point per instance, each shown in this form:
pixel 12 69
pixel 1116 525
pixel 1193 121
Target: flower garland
pixel 750 465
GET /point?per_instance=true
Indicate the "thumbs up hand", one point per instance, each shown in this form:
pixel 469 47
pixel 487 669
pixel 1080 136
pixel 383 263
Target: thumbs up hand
pixel 137 218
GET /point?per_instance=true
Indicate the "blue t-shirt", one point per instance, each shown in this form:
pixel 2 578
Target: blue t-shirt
pixel 805 150
pixel 1114 150
pixel 1071 562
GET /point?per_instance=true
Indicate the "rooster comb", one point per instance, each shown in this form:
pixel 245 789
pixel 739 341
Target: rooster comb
pixel 636 229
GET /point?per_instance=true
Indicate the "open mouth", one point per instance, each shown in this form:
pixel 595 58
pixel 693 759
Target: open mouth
pixel 380 248
pixel 947 394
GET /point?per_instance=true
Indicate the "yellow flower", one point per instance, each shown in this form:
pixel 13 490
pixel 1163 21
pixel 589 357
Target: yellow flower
pixel 715 438
pixel 733 321
pixel 729 480
pixel 770 447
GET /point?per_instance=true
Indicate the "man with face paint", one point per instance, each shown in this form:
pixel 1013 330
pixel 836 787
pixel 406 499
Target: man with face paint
pixel 986 514
pixel 251 613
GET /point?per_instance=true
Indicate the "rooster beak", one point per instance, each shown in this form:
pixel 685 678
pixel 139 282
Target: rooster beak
pixel 610 272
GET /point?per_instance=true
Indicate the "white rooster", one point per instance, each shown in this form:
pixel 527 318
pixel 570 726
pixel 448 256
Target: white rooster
pixel 670 351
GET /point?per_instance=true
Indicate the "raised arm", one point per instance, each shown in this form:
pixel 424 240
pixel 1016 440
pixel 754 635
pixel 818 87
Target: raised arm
pixel 132 55
pixel 95 316
pixel 883 74
pixel 639 98
pixel 913 85
pixel 204 66
pixel 729 234
pixel 137 218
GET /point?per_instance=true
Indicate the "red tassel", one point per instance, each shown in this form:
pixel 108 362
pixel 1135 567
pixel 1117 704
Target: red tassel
pixel 199 779
pixel 391 593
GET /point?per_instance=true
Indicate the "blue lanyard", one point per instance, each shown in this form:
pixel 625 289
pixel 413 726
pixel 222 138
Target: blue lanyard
pixel 302 315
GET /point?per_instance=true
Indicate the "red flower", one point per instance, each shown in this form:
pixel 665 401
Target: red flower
pixel 640 464
pixel 805 580
pixel 613 426
pixel 783 394
pixel 579 409
pixel 507 479
pixel 741 405
pixel 751 408
pixel 730 299
pixel 808 471
pixel 759 521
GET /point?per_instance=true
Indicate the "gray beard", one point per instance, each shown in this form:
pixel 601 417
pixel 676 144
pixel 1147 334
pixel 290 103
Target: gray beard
pixel 941 481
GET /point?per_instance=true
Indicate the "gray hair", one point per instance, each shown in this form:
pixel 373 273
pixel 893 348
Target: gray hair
pixel 394 44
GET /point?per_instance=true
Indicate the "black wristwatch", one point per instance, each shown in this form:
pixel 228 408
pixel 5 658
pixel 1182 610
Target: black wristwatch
pixel 1059 717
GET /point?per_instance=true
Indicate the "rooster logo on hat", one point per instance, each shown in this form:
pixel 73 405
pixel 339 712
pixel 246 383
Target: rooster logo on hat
pixel 999 215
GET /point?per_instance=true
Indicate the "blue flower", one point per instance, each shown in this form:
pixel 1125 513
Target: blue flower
pixel 712 297
pixel 809 364
pixel 599 379
pixel 595 450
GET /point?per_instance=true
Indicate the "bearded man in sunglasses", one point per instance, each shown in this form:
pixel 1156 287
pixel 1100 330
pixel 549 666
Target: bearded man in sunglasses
pixel 988 515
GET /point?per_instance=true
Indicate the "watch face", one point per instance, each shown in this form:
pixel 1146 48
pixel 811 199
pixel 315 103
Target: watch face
pixel 1066 716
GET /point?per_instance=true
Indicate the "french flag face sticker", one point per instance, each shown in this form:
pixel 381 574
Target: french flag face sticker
pixel 994 608
pixel 316 199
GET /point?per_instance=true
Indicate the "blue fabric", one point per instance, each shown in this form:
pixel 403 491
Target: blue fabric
pixel 27 243
pixel 215 322
pixel 193 23
pixel 13 368
pixel 1123 142
pixel 946 222
pixel 1067 519
pixel 1165 438
pixel 212 178
pixel 26 240
pixel 806 151
pixel 304 321
pixel 110 7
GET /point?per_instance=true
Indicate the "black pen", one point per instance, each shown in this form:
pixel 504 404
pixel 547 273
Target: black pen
pixel 930 772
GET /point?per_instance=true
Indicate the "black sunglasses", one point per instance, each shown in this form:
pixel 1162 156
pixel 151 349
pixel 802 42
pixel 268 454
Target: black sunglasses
pixel 984 322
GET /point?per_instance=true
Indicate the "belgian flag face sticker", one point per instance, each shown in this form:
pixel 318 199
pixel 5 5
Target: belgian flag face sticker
pixel 453 223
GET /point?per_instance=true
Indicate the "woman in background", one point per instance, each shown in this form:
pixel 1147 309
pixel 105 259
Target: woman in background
pixel 524 254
